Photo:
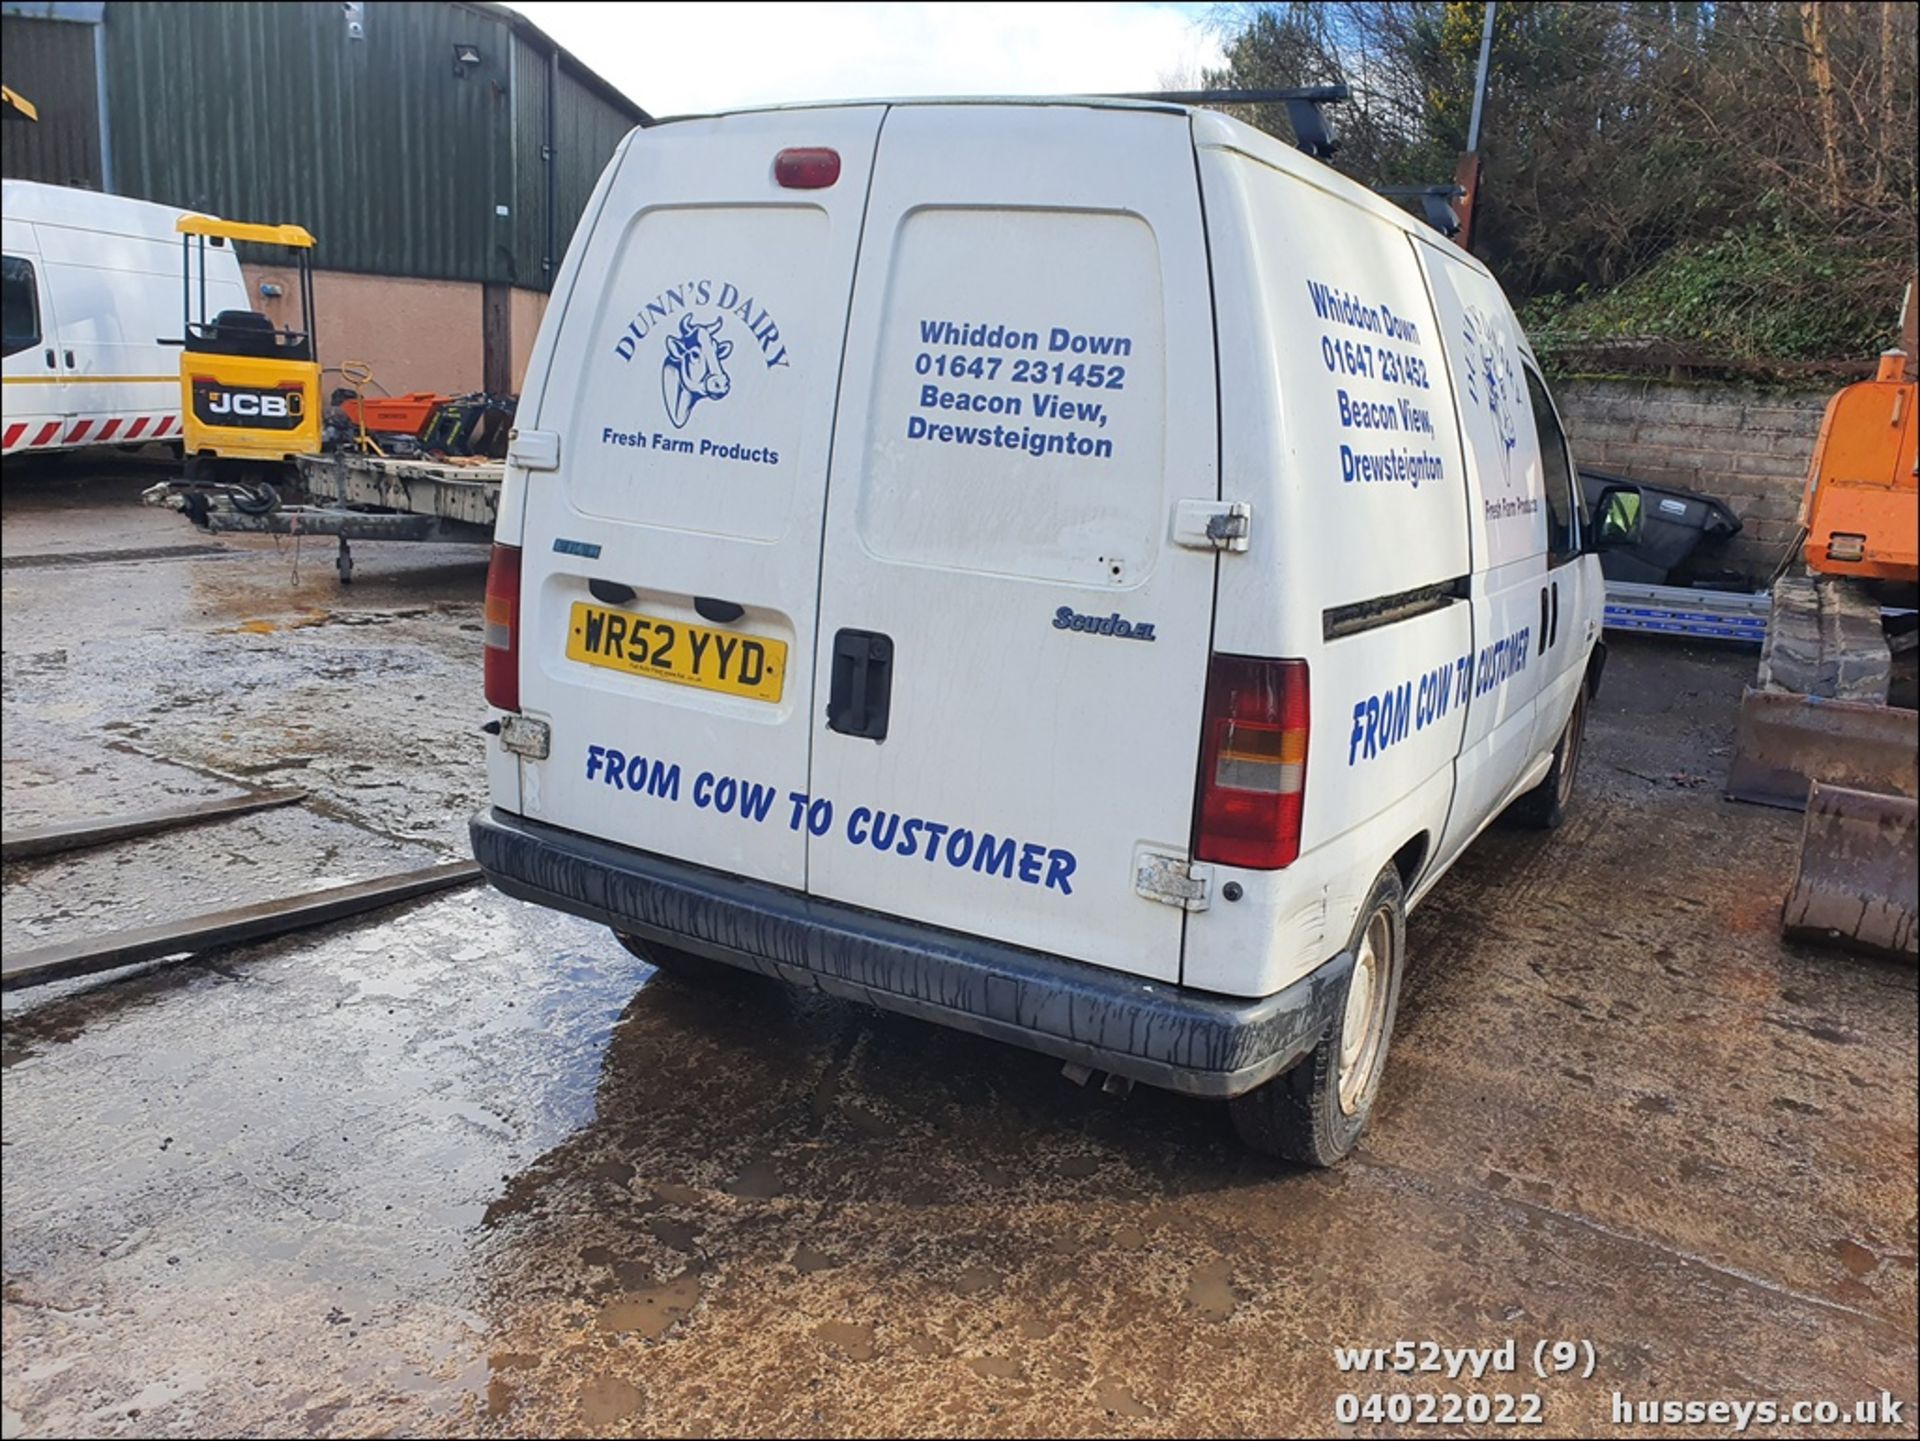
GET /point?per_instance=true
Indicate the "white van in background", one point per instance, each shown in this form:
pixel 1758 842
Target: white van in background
pixel 90 287
pixel 1073 571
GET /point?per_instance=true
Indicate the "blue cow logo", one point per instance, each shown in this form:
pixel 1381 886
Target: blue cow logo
pixel 1491 379
pixel 692 370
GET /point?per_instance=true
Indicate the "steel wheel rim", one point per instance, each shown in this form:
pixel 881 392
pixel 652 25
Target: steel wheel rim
pixel 1366 1011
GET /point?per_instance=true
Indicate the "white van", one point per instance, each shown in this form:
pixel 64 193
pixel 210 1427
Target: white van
pixel 1073 571
pixel 91 286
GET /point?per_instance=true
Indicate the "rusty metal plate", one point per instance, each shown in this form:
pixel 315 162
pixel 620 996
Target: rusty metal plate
pixel 1787 741
pixel 1858 881
pixel 225 928
pixel 77 835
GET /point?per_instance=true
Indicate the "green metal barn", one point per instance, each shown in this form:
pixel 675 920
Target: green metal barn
pixel 440 151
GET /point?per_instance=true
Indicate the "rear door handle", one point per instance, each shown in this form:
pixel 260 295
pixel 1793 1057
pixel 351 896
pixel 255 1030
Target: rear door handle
pixel 1553 626
pixel 1544 619
pixel 69 355
pixel 860 691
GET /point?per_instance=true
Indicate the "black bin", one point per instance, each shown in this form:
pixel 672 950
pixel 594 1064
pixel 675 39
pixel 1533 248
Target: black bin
pixel 1682 534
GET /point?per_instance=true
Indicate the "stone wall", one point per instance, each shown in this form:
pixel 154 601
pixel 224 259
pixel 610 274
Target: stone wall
pixel 1748 448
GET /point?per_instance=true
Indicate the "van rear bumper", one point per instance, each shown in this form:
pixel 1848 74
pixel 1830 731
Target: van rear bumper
pixel 1194 1042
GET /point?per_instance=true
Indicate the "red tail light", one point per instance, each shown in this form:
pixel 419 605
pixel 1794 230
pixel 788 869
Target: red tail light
pixel 503 628
pixel 1253 762
pixel 811 167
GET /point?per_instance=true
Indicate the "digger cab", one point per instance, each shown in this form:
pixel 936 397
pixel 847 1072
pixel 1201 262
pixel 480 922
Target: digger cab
pixel 1859 509
pixel 249 389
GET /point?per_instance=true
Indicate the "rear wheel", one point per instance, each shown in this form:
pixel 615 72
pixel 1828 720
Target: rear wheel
pixel 1314 1114
pixel 685 966
pixel 1545 806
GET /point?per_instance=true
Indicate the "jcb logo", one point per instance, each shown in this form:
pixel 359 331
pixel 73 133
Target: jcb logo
pixel 247 402
pixel 231 405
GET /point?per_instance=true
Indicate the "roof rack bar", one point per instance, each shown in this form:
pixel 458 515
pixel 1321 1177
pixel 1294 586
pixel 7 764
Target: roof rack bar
pixel 1312 128
pixel 1436 203
pixel 1230 96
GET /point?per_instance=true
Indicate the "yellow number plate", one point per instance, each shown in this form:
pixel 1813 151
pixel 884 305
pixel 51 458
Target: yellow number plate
pixel 754 666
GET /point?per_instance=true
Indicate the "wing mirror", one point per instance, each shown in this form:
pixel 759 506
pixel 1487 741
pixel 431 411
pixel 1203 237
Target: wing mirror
pixel 1616 519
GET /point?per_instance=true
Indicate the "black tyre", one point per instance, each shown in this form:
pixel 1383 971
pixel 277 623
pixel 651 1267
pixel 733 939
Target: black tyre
pixel 1314 1113
pixel 685 966
pixel 1545 806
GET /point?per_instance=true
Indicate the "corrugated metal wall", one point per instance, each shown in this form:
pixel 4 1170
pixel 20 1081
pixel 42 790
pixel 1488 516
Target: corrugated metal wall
pixel 590 130
pixel 529 171
pixel 50 62
pixel 397 164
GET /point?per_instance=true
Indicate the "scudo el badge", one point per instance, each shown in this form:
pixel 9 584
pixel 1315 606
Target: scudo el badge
pixel 1117 625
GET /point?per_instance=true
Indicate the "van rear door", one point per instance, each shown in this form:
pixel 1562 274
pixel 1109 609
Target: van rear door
pixel 671 560
pixel 1012 651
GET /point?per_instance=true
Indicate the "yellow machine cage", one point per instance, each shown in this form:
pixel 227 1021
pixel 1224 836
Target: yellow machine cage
pixel 249 391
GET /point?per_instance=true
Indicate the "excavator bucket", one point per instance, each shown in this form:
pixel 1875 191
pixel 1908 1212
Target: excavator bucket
pixel 1788 741
pixel 1858 881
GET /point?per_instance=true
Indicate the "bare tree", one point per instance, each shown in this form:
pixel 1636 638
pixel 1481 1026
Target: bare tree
pixel 1758 154
pixel 1820 66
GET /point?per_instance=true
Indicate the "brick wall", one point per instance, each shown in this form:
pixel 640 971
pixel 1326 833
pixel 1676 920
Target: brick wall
pixel 1748 448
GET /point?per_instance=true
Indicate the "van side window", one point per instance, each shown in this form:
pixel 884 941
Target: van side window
pixel 1563 537
pixel 19 303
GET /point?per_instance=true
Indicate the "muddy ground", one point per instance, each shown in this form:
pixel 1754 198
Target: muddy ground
pixel 469 1166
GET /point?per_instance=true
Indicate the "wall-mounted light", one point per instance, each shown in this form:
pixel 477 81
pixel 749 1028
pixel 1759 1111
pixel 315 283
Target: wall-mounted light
pixel 272 289
pixel 463 57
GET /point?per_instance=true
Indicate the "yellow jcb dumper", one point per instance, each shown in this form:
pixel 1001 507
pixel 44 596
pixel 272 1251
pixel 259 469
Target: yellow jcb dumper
pixel 249 391
pixel 1818 731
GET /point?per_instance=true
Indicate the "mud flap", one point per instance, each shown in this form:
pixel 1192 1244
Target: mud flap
pixel 1858 881
pixel 1788 741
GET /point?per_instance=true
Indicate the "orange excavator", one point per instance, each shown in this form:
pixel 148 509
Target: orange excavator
pixel 1831 725
pixel 1859 509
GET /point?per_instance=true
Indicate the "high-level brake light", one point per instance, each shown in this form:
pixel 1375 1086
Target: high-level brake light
pixel 807 167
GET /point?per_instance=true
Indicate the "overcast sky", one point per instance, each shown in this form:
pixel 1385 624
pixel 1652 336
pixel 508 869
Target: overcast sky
pixel 675 58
